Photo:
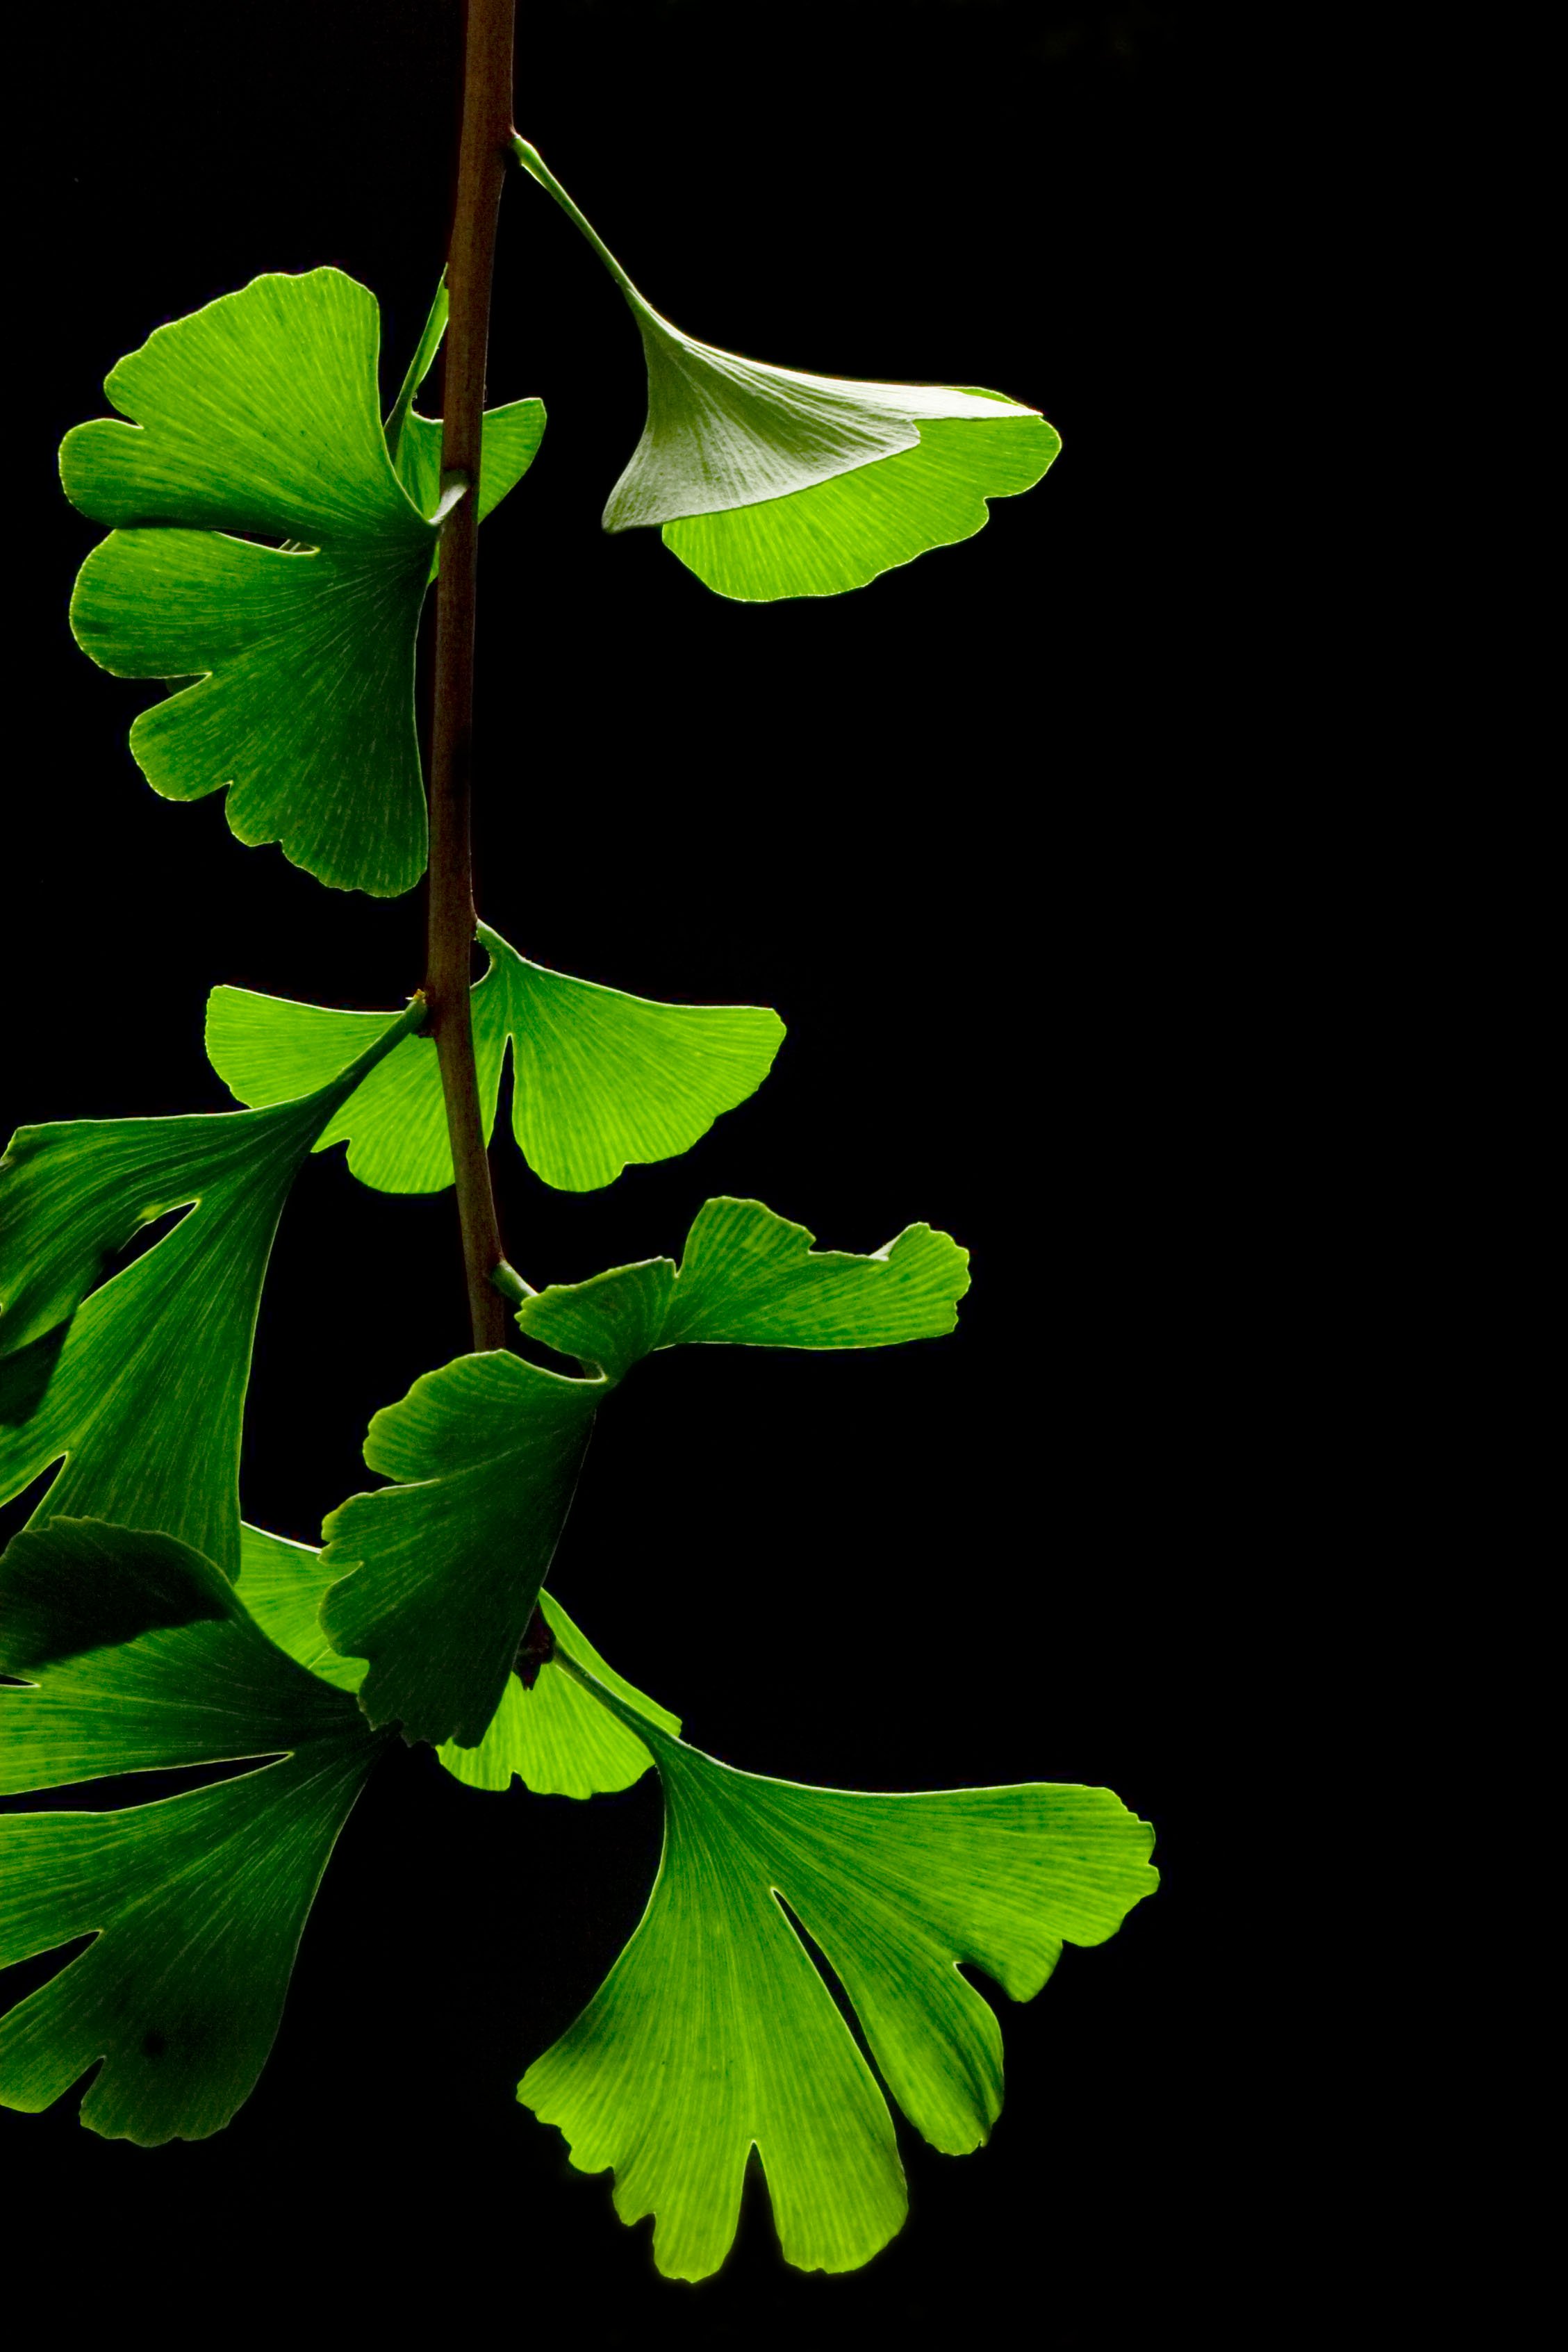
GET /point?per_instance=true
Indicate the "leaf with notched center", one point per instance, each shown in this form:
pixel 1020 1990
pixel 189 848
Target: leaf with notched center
pixel 714 2031
pixel 599 1077
pixel 265 545
pixel 141 1386
pixel 196 1903
pixel 768 483
pixel 441 1571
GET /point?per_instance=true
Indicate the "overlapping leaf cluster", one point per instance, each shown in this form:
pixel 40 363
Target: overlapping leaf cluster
pixel 271 543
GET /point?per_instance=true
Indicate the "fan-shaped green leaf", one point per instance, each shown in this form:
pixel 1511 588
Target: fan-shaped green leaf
pixel 196 1903
pixel 443 1569
pixel 164 1344
pixel 439 1573
pixel 599 1077
pixel 257 420
pixel 258 415
pixel 749 1279
pixel 715 2032
pixel 770 483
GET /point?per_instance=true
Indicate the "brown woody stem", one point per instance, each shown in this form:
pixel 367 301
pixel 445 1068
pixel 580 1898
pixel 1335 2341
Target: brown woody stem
pixel 483 158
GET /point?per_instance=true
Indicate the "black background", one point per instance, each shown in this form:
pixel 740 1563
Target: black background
pixel 980 833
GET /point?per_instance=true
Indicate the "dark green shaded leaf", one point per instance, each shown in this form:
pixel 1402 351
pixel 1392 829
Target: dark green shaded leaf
pixel 179 1673
pixel 165 1343
pixel 196 1903
pixel 81 1584
pixel 439 1573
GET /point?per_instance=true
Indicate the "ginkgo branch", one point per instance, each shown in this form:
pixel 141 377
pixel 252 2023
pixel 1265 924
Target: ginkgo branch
pixel 482 167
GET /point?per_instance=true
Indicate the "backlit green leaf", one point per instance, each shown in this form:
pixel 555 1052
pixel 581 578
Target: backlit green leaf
pixel 263 545
pixel 443 1569
pixel 715 2032
pixel 556 1738
pixel 142 1387
pixel 842 534
pixel 768 483
pixel 196 1903
pixel 599 1077
pixel 749 1278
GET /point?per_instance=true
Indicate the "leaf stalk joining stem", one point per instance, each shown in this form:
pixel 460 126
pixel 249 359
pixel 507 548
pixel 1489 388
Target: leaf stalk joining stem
pixel 482 157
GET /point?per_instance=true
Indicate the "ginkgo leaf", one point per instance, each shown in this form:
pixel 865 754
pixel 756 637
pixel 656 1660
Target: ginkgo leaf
pixel 163 1346
pixel 845 532
pixel 196 1903
pixel 509 440
pixel 749 1278
pixel 714 2031
pixel 263 545
pixel 770 483
pixel 599 1077
pixel 441 1571
pixel 81 1584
